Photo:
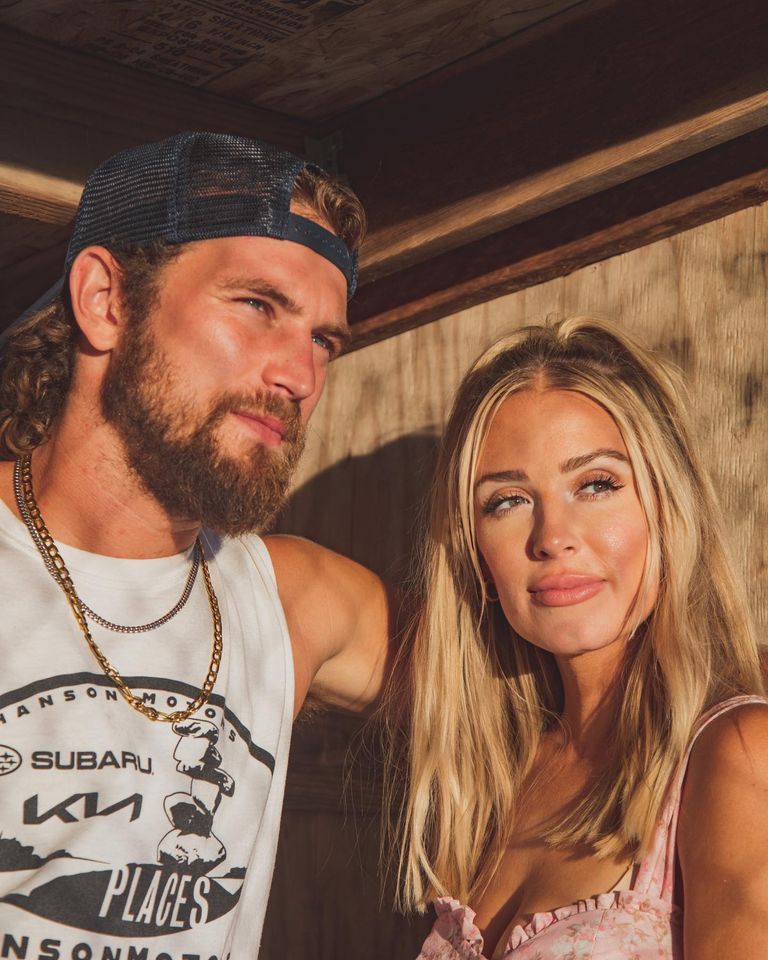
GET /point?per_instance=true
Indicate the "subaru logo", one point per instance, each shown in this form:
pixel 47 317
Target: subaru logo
pixel 10 760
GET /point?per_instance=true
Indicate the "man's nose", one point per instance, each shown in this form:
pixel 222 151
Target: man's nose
pixel 290 369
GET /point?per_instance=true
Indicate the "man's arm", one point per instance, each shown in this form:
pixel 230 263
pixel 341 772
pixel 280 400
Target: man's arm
pixel 341 619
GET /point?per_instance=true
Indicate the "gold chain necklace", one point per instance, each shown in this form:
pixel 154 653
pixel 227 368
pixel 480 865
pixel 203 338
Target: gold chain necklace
pixel 55 564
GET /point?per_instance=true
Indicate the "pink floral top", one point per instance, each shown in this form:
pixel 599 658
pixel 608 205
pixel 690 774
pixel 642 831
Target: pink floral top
pixel 642 923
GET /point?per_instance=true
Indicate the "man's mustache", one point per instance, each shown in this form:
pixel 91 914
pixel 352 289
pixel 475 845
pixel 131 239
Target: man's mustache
pixel 262 403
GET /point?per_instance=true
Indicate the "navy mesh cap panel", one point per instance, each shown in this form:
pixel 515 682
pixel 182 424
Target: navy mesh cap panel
pixel 129 198
pixel 233 187
pixel 197 186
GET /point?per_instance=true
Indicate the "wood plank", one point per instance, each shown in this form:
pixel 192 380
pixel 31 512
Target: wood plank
pixel 37 196
pixel 377 47
pixel 29 276
pixel 326 900
pixel 332 768
pixel 305 59
pixel 693 191
pixel 63 112
pixel 31 259
pixel 570 114
pixel 21 238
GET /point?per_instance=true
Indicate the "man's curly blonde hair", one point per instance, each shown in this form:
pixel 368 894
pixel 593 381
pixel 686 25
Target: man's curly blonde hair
pixel 39 357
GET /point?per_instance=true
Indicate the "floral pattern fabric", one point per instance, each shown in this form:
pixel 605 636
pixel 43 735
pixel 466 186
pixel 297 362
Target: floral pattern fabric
pixel 642 923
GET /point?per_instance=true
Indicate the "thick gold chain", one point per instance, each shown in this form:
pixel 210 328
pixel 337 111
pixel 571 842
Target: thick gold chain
pixel 58 569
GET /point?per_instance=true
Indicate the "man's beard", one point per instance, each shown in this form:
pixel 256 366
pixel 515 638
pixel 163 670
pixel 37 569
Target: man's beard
pixel 180 463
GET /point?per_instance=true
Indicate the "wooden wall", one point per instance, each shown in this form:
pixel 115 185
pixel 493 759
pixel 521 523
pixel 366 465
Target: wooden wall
pixel 699 297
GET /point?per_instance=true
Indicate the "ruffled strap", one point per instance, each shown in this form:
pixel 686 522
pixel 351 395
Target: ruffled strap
pixel 656 876
pixel 454 935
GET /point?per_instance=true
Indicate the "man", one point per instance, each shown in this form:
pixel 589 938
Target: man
pixel 154 649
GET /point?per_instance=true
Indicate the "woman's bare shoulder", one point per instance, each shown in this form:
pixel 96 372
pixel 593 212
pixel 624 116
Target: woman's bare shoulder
pixel 722 838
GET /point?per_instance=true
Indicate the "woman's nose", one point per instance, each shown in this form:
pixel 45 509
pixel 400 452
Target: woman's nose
pixel 553 532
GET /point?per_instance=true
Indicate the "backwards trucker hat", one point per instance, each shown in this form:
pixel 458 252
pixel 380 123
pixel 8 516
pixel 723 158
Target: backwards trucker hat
pixel 196 186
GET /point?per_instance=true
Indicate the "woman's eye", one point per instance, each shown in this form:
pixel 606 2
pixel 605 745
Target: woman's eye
pixel 499 505
pixel 600 485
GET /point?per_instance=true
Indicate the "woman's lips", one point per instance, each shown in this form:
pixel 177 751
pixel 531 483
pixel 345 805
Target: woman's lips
pixel 269 430
pixel 564 590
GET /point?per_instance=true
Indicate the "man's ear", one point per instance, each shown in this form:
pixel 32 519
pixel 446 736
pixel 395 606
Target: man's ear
pixel 94 286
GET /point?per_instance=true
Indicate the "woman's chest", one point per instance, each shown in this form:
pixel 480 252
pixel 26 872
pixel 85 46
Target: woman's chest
pixel 533 877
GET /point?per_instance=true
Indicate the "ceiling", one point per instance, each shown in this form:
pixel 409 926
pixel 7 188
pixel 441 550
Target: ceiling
pixel 312 59
pixel 475 133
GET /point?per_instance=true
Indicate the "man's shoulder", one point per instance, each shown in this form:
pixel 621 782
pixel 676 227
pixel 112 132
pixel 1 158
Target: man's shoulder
pixel 300 568
pixel 339 617
pixel 302 564
pixel 288 548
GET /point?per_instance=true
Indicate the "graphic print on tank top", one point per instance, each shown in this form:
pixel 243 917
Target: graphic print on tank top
pixel 118 826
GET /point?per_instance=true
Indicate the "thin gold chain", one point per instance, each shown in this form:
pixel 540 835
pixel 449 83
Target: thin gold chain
pixel 55 564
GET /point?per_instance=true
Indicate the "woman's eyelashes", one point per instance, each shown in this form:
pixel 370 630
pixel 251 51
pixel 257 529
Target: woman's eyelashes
pixel 596 487
pixel 498 504
pixel 600 486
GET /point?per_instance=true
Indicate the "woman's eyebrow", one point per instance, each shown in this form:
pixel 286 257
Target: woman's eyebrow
pixel 574 463
pixel 567 466
pixel 502 476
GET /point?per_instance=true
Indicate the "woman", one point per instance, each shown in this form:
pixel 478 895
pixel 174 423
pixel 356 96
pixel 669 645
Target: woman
pixel 581 623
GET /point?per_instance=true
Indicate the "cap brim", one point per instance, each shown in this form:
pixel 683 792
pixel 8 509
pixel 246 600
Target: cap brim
pixel 50 294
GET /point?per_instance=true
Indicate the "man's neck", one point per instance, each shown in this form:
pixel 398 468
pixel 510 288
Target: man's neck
pixel 90 498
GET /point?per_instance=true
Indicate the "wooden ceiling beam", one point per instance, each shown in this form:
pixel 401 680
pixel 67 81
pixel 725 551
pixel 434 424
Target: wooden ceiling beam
pixel 39 196
pixel 711 185
pixel 63 112
pixel 630 88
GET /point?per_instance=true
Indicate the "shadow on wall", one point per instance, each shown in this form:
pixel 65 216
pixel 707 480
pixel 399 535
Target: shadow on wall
pixel 326 901
pixel 369 508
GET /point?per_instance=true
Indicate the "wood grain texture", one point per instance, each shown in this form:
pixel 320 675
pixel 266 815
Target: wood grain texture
pixel 63 111
pixel 705 187
pixel 465 154
pixel 333 766
pixel 31 259
pixel 326 902
pixel 37 196
pixel 309 59
pixel 377 47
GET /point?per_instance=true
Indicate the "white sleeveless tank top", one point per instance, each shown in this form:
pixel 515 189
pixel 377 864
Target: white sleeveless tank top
pixel 123 838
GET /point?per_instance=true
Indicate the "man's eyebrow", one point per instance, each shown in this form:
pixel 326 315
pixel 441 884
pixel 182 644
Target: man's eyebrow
pixel 339 332
pixel 567 466
pixel 262 288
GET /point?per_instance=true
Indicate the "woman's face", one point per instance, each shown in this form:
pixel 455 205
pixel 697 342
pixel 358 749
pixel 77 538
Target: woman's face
pixel 559 523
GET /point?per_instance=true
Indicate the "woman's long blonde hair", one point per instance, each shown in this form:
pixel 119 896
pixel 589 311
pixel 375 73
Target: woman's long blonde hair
pixel 470 699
